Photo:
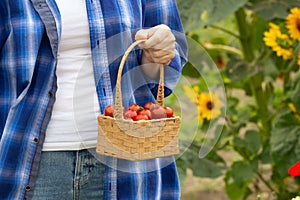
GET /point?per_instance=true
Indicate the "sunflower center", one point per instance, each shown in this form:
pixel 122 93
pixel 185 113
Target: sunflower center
pixel 210 105
pixel 298 24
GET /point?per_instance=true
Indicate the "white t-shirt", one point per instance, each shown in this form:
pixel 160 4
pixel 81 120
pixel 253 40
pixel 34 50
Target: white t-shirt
pixel 73 124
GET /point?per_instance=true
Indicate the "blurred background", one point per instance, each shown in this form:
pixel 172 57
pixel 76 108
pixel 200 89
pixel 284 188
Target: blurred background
pixel 253 85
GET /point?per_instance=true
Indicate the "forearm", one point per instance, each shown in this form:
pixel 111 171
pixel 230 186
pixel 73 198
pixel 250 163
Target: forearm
pixel 167 9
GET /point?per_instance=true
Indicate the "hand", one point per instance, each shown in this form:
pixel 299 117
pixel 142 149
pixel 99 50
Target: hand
pixel 159 46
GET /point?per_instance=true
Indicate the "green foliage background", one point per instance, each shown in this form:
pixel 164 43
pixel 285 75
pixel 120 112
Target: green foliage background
pixel 262 131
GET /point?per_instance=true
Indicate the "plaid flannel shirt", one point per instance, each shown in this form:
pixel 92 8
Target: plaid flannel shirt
pixel 29 40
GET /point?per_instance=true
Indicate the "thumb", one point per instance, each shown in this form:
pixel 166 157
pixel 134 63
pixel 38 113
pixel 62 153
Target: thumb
pixel 142 34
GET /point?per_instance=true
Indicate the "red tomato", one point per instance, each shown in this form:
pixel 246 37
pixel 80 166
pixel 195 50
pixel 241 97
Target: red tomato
pixel 140 117
pixel 148 105
pixel 109 111
pixel 130 114
pixel 134 107
pixel 169 111
pixel 157 112
pixel 145 112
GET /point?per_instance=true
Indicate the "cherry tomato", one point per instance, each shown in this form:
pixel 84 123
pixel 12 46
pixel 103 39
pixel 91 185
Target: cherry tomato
pixel 140 117
pixel 157 112
pixel 109 111
pixel 148 105
pixel 145 112
pixel 130 114
pixel 169 111
pixel 134 107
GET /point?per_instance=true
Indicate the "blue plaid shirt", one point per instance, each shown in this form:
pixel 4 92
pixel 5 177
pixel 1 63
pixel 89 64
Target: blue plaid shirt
pixel 29 40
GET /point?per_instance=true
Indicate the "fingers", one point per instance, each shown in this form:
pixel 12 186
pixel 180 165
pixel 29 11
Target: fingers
pixel 159 56
pixel 147 33
pixel 160 44
pixel 159 38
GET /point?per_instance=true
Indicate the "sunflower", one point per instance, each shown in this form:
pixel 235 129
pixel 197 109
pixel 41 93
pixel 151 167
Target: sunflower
pixel 293 23
pixel 298 59
pixel 209 106
pixel 279 42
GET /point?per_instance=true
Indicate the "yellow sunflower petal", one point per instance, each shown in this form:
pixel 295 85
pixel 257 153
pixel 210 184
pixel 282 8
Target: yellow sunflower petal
pixel 293 23
pixel 272 39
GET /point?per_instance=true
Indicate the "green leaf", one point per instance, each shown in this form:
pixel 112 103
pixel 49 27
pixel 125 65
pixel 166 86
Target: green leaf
pixel 295 91
pixel 258 27
pixel 239 146
pixel 265 155
pixel 238 70
pixel 270 69
pixel 281 164
pixel 205 168
pixel 190 70
pixel 252 141
pixel 273 9
pixel 195 14
pixel 285 133
pixel 285 142
pixel 234 190
pixel 232 102
pixel 238 142
pixel 242 172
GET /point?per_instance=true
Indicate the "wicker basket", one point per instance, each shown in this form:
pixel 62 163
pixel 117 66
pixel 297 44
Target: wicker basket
pixel 137 140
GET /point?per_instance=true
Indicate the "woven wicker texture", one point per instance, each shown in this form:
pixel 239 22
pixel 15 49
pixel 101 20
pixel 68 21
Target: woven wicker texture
pixel 137 140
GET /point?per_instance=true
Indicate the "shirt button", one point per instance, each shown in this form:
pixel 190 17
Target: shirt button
pixel 28 188
pixel 36 140
pixel 50 94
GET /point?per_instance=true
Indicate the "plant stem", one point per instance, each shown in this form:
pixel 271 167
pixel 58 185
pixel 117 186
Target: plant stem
pixel 224 30
pixel 261 101
pixel 286 74
pixel 255 82
pixel 223 47
pixel 245 34
pixel 266 182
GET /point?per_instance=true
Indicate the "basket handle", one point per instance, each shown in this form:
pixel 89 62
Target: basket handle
pixel 118 107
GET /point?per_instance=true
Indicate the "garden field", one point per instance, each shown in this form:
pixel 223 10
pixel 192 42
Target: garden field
pixel 240 100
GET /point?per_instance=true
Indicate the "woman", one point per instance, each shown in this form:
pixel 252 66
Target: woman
pixel 54 54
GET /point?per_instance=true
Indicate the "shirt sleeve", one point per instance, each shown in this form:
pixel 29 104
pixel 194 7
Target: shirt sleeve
pixel 3 34
pixel 157 12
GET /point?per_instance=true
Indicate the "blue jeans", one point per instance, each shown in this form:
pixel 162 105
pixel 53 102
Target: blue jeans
pixel 67 175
